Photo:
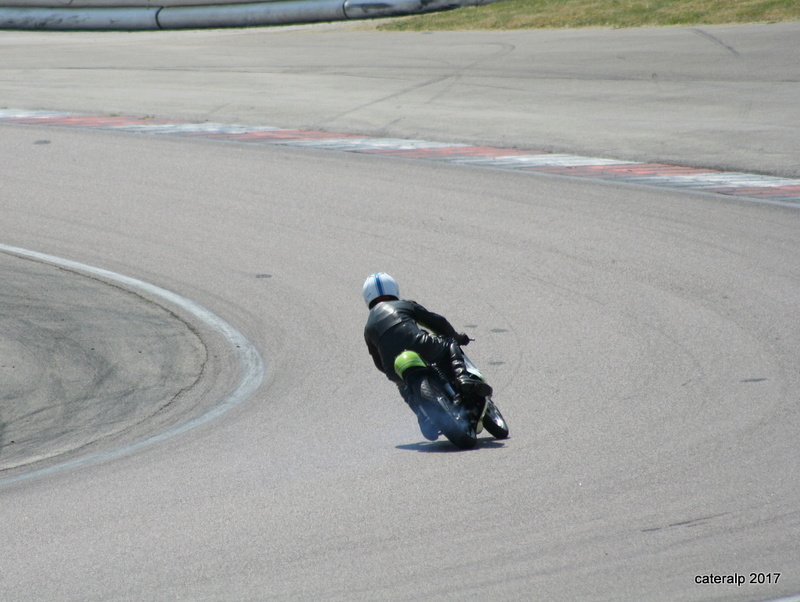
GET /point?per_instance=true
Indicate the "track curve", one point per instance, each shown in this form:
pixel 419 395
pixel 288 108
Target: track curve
pixel 146 362
pixel 643 345
pixel 82 361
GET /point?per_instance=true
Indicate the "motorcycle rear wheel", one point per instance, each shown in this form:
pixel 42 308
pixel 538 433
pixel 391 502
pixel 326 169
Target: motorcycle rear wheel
pixel 439 407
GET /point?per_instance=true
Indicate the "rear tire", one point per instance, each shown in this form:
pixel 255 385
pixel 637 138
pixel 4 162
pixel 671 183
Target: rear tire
pixel 438 406
pixel 494 422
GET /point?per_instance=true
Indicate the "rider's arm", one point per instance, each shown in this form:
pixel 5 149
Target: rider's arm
pixel 439 324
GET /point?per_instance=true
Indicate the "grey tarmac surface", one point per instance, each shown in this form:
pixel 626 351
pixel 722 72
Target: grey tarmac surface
pixel 643 343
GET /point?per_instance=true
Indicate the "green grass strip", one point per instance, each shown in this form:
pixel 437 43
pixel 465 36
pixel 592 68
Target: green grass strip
pixel 541 14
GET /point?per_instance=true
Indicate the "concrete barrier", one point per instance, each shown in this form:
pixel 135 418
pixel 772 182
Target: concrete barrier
pixel 156 4
pixel 78 19
pixel 92 15
pixel 368 9
pixel 284 12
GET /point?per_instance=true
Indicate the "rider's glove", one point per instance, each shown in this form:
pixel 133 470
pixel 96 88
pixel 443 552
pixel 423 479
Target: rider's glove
pixel 462 338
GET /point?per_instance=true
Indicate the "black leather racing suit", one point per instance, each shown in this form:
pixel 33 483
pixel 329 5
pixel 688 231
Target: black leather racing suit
pixel 392 328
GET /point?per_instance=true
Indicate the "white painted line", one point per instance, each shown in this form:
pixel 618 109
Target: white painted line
pixel 187 128
pixel 540 160
pixel 251 364
pixel 740 180
pixel 367 143
pixel 21 114
pixel 713 180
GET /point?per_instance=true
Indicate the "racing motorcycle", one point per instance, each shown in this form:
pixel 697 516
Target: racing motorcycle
pixel 460 420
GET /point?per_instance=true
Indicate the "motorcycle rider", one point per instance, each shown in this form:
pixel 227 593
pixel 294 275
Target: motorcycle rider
pixel 393 326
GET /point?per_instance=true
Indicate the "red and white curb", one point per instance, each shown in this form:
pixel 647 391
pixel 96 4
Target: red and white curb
pixel 752 186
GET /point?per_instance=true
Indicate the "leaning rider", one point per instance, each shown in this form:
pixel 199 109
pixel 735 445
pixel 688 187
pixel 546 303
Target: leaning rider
pixel 393 326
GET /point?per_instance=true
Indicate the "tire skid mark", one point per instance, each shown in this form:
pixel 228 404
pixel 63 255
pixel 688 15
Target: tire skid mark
pixel 251 365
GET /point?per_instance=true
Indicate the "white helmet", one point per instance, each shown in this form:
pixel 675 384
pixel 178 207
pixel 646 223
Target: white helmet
pixel 379 285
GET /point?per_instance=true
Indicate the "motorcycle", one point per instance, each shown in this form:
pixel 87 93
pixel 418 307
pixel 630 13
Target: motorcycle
pixel 459 419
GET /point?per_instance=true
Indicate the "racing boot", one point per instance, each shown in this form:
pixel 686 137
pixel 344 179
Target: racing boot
pixel 467 384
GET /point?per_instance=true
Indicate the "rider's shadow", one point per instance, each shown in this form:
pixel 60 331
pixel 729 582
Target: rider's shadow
pixel 445 447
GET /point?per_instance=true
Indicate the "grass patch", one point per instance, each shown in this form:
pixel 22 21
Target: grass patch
pixel 538 14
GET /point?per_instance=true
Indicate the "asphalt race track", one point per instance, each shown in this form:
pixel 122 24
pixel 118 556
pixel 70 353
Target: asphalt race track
pixel 643 343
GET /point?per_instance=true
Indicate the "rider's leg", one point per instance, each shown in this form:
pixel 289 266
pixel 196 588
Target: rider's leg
pixel 466 383
pixel 447 354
